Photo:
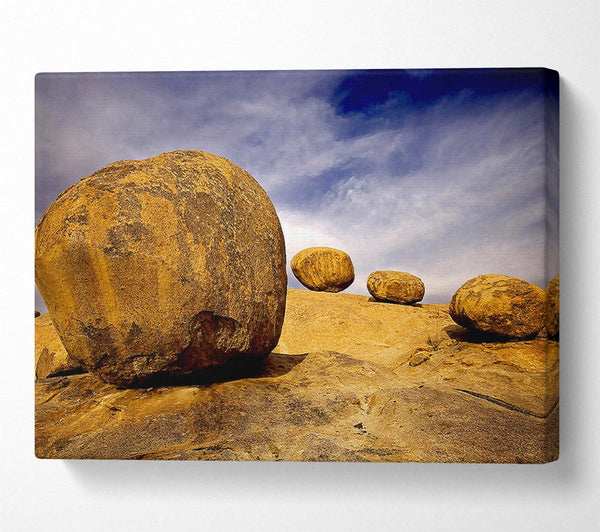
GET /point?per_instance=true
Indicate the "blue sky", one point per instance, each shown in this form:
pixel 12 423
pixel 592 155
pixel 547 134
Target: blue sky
pixel 440 173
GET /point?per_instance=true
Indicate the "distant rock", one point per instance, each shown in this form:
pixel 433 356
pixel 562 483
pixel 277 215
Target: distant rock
pixel 395 287
pixel 553 308
pixel 323 269
pixel 163 266
pixel 37 314
pixel 500 305
pixel 51 357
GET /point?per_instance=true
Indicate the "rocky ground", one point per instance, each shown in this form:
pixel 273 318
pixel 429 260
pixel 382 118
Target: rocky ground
pixel 351 379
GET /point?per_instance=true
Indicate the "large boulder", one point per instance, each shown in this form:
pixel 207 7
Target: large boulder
pixel 163 266
pixel 395 287
pixel 500 305
pixel 323 269
pixel 553 308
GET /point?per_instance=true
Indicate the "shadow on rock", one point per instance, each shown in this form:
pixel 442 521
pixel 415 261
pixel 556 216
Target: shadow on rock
pixel 456 332
pixel 245 367
pixel 373 300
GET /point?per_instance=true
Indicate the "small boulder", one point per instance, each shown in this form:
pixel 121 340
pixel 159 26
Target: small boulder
pixel 395 287
pixel 51 357
pixel 323 269
pixel 163 266
pixel 553 308
pixel 501 305
pixel 37 314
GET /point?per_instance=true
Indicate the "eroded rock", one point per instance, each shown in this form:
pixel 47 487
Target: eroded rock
pixel 51 357
pixel 395 287
pixel 163 266
pixel 499 304
pixel 553 307
pixel 323 269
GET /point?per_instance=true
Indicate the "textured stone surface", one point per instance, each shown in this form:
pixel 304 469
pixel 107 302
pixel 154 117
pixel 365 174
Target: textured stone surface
pixel 163 266
pixel 51 357
pixel 395 287
pixel 323 269
pixel 553 307
pixel 499 304
pixel 351 380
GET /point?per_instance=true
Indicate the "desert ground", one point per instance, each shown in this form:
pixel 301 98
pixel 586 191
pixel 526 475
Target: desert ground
pixel 351 379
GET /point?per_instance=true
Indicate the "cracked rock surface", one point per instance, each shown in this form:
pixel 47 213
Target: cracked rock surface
pixel 350 380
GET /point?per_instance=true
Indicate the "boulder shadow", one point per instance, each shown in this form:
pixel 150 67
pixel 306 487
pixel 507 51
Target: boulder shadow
pixel 373 300
pixel 456 332
pixel 244 367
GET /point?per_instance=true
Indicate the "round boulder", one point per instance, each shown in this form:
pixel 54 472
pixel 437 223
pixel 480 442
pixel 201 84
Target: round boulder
pixel 323 269
pixel 395 287
pixel 552 308
pixel 163 266
pixel 500 305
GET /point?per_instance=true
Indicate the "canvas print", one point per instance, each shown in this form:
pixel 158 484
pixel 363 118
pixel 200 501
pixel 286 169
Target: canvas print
pixel 343 265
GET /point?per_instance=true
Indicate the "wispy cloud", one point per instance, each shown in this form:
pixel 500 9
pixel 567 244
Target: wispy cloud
pixel 445 191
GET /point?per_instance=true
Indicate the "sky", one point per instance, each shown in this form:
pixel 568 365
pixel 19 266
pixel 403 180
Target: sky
pixel 445 174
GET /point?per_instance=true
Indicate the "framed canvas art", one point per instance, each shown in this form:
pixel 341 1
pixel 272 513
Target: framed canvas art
pixel 356 265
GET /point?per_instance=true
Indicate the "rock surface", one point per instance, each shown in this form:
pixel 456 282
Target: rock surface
pixel 51 357
pixel 351 380
pixel 499 304
pixel 163 266
pixel 395 287
pixel 323 269
pixel 553 307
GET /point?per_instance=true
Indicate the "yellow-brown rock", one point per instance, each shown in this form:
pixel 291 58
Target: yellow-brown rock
pixel 395 287
pixel 163 266
pixel 323 269
pixel 499 304
pixel 350 380
pixel 51 357
pixel 553 307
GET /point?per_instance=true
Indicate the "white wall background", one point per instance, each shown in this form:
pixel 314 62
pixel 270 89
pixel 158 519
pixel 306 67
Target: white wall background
pixel 188 35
